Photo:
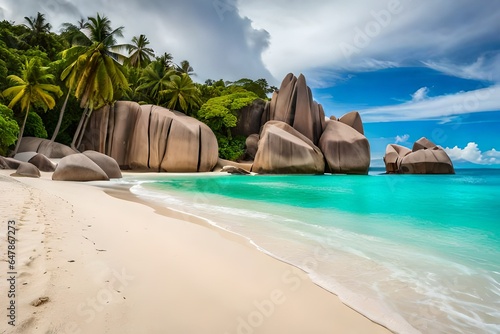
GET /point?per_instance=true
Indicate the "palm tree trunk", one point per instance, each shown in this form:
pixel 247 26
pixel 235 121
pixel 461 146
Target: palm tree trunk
pixel 21 132
pixel 79 128
pixel 82 132
pixel 61 115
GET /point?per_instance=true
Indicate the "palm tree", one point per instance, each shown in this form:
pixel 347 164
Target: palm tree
pixel 95 73
pixel 39 30
pixel 139 54
pixel 154 79
pixel 185 67
pixel 74 34
pixel 181 93
pixel 166 60
pixel 31 88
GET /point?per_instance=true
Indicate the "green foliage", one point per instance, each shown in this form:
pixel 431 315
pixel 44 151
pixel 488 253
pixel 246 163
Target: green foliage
pixel 231 148
pixel 8 129
pixel 220 114
pixel 260 86
pixel 34 126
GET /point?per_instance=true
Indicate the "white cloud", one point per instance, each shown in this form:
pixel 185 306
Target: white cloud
pixel 402 139
pixel 437 108
pixel 472 153
pixel 486 67
pixel 420 94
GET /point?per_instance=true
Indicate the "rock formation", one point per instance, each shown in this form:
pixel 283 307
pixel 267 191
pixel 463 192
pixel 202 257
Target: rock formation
pixel 42 163
pixel 249 119
pixel 234 170
pixel 343 143
pixel 425 158
pixel 46 147
pixel 107 164
pixel 78 167
pixel 346 150
pixel 26 169
pixel 393 158
pixel 284 150
pixel 151 138
pixel 9 163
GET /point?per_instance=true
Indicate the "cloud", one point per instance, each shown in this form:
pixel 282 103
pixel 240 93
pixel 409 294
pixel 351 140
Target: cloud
pixel 437 108
pixel 402 139
pixel 486 67
pixel 472 153
pixel 445 32
pixel 212 35
pixel 420 94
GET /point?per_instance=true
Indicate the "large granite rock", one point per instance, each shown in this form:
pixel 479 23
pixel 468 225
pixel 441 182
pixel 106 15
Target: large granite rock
pixel 425 158
pixel 284 100
pixel 107 164
pixel 393 158
pixel 251 144
pixel 26 169
pixel 293 104
pixel 307 119
pixel 151 138
pixel 42 163
pixel 346 150
pixel 353 119
pixel 46 147
pixel 284 150
pixel 249 119
pixel 78 167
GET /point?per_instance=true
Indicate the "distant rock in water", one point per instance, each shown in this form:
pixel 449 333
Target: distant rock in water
pixel 151 138
pixel 425 158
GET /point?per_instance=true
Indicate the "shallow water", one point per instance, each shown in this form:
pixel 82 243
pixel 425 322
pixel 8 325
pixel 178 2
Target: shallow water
pixel 417 253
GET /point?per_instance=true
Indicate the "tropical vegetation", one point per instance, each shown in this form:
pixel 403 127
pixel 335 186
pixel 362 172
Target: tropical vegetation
pixel 83 67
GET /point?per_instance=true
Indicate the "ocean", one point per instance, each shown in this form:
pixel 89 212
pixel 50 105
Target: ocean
pixel 416 253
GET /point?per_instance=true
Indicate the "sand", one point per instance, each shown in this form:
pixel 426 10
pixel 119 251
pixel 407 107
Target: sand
pixel 96 260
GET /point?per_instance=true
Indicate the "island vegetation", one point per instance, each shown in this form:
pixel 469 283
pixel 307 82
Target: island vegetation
pixel 51 82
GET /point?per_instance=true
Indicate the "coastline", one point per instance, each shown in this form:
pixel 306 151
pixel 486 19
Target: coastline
pixel 110 264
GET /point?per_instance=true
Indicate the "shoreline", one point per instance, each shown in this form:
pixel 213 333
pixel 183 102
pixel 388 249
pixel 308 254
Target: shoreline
pixel 183 277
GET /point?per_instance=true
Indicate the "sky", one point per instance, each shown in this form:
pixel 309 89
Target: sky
pixel 427 68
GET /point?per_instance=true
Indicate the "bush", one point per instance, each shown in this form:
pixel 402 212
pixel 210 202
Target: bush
pixel 231 149
pixel 34 126
pixel 9 130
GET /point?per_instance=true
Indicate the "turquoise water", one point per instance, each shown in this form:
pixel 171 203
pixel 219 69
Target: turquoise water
pixel 417 253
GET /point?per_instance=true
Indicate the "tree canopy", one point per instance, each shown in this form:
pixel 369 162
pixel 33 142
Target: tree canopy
pixel 89 61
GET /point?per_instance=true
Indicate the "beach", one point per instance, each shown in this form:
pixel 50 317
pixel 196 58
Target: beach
pixel 95 259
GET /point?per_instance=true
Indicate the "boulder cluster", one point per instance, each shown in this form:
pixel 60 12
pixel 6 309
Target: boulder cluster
pixel 291 135
pixel 424 158
pixel 86 166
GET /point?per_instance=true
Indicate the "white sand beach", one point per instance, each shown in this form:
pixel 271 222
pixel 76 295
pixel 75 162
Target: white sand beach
pixel 98 263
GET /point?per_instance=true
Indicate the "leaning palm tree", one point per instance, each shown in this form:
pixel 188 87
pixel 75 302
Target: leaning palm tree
pixel 181 93
pixel 185 67
pixel 139 54
pixel 94 73
pixel 154 79
pixel 31 88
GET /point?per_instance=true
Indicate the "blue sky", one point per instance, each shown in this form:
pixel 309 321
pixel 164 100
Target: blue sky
pixel 412 68
pixel 391 102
